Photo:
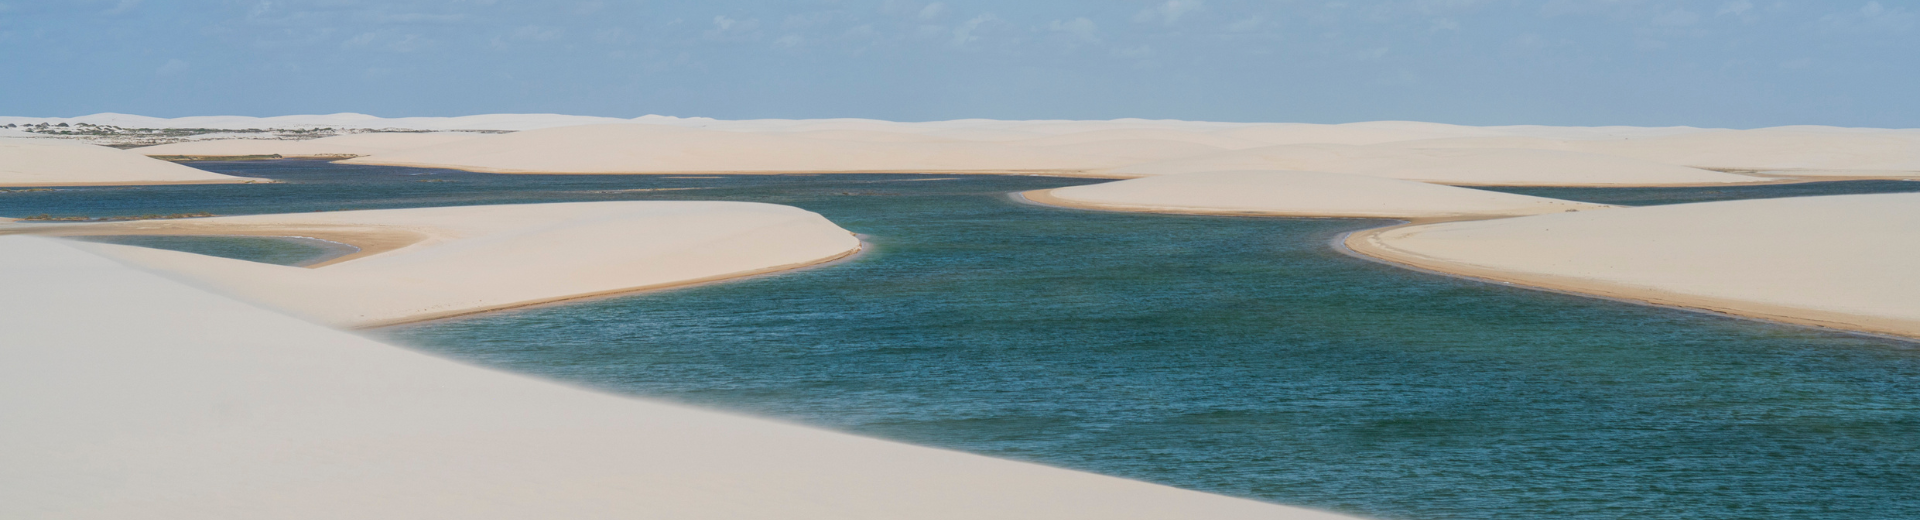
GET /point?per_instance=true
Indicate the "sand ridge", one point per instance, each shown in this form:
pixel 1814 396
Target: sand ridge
pixel 427 263
pixel 1831 261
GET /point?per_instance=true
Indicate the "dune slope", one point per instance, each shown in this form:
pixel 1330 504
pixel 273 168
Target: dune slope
pixel 426 263
pixel 131 396
pixel 1289 193
pixel 51 162
pixel 1838 261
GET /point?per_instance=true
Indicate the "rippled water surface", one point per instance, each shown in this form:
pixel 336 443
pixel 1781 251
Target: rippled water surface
pixel 1242 356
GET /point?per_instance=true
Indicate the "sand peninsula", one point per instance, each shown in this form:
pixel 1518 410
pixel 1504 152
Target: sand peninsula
pixel 1299 194
pixel 426 263
pixel 30 162
pixel 1839 261
pixel 132 395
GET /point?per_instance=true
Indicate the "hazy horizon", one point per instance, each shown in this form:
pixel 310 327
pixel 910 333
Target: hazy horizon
pixel 1714 63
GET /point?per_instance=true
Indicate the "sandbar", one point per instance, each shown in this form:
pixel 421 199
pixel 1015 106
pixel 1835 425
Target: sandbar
pixel 427 263
pixel 1840 262
pixel 1299 194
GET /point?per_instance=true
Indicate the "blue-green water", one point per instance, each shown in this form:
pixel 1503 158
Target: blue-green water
pixel 1241 356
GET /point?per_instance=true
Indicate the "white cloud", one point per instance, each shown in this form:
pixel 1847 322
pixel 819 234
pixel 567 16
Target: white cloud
pixel 964 34
pixel 1247 24
pixel 172 67
pixel 410 43
pixel 537 33
pixel 1081 29
pixel 1676 18
pixel 1736 8
pixel 124 6
pixel 725 28
pixel 932 11
pixel 1167 12
pixel 789 41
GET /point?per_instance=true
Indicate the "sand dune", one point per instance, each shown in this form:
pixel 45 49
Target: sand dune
pixel 130 396
pixel 51 162
pixel 1860 152
pixel 432 262
pixel 1289 193
pixel 669 149
pixel 350 145
pixel 1459 166
pixel 1841 261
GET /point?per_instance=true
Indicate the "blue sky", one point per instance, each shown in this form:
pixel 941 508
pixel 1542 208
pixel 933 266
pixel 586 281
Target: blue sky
pixel 1732 63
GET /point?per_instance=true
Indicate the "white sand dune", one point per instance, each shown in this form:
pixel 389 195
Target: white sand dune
pixel 671 149
pixel 53 162
pixel 1840 261
pixel 1859 152
pixel 131 396
pixel 1207 139
pixel 350 145
pixel 1291 193
pixel 426 263
pixel 1458 166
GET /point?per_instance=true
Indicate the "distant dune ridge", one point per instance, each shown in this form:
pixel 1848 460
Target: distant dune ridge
pixel 342 146
pixel 128 395
pixel 54 162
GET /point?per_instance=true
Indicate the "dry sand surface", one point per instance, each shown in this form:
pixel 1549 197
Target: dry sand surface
pixel 53 162
pixel 351 145
pixel 1433 152
pixel 1890 153
pixel 1456 166
pixel 1838 261
pixel 434 262
pixel 1290 193
pixel 131 396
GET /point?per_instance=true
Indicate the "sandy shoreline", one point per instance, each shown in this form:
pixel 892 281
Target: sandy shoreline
pixel 1368 244
pixel 1365 244
pixel 429 263
pixel 575 298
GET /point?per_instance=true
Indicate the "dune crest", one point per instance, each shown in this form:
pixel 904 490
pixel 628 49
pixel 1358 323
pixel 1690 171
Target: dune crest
pixel 53 162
